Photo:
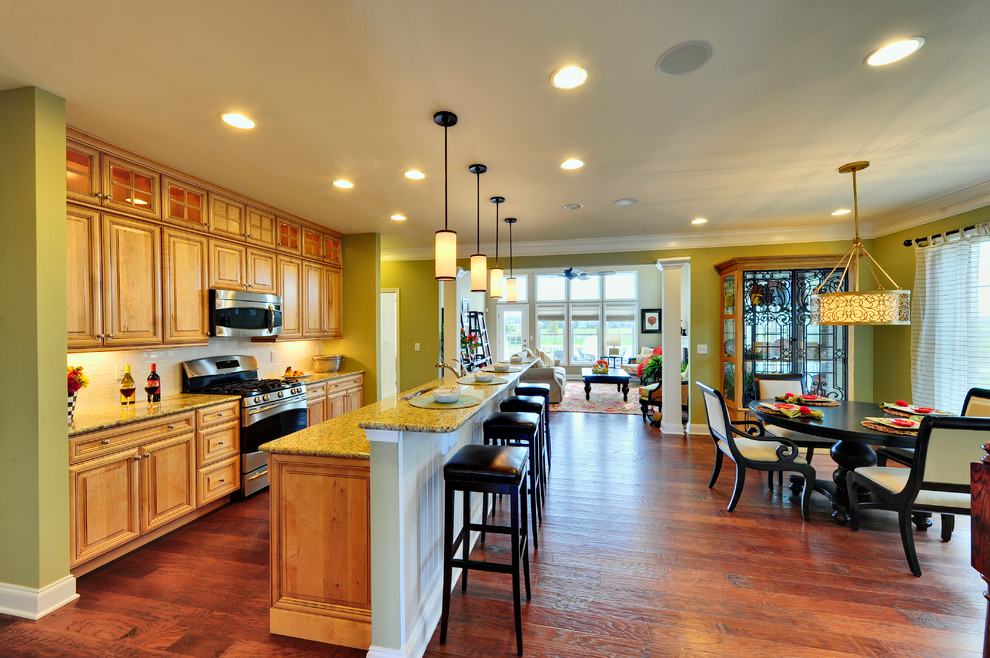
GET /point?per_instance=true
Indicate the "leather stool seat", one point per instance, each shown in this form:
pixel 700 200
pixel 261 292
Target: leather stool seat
pixel 525 403
pixel 512 421
pixel 476 463
pixel 533 388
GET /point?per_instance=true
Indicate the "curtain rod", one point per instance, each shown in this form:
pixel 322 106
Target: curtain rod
pixel 908 243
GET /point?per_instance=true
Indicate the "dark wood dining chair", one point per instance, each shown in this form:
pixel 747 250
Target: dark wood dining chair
pixel 752 449
pixel 977 403
pixel 938 480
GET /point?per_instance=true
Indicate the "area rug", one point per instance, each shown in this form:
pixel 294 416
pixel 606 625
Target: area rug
pixel 604 399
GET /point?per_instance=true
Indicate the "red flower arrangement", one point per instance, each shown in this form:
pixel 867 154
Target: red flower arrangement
pixel 76 378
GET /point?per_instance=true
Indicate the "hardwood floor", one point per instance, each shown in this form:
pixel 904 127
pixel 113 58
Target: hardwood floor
pixel 637 558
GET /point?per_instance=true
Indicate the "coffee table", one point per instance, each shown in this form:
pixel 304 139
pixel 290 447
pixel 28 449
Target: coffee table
pixel 614 376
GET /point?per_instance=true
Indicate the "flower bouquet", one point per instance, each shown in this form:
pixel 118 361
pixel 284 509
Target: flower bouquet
pixel 600 367
pixel 76 381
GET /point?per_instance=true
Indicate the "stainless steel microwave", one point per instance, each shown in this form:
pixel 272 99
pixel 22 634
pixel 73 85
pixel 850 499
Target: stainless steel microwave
pixel 234 313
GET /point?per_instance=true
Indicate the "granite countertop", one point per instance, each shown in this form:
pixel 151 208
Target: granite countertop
pixel 316 377
pixel 88 420
pixel 345 436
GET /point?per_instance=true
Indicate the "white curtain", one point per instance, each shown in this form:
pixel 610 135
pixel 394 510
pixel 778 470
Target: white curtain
pixel 950 318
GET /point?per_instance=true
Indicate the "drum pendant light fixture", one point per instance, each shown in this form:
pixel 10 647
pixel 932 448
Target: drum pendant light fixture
pixel 874 307
pixel 445 250
pixel 479 262
pixel 496 278
pixel 510 283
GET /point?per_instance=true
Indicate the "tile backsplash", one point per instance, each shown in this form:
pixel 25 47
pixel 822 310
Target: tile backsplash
pixel 105 369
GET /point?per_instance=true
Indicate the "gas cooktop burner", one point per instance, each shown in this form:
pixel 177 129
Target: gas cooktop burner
pixel 249 387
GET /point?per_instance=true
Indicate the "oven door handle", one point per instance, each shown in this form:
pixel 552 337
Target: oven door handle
pixel 281 403
pixel 270 314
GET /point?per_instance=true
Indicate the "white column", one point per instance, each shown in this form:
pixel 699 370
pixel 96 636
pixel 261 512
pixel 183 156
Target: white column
pixel 672 270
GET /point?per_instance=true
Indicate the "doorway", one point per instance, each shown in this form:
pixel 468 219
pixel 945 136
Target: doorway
pixel 388 340
pixel 512 327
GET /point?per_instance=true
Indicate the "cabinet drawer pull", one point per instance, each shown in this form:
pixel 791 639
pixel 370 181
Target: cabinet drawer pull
pixel 219 413
pixel 105 442
pixel 171 426
pixel 220 443
pixel 258 475
pixel 221 480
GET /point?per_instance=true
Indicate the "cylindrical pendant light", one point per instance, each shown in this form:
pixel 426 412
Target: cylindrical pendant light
pixel 496 278
pixel 445 254
pixel 479 262
pixel 510 283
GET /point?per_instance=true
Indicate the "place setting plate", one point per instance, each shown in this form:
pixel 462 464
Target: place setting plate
pixel 911 410
pixel 905 426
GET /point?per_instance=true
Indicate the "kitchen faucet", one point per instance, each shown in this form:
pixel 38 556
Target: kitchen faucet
pixel 459 372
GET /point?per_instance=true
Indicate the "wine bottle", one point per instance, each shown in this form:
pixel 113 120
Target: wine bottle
pixel 153 387
pixel 127 387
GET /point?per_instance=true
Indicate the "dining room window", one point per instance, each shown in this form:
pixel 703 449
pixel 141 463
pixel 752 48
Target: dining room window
pixel 551 329
pixel 950 317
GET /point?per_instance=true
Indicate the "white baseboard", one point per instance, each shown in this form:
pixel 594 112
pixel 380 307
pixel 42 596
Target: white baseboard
pixel 695 429
pixel 382 652
pixel 33 603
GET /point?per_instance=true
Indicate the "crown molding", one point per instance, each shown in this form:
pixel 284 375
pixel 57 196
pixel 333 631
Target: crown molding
pixel 970 198
pixel 693 240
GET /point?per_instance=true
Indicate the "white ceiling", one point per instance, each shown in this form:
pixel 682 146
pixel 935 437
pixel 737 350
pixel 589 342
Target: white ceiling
pixel 348 89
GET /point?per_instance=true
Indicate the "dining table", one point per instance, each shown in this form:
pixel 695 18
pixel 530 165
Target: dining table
pixel 853 447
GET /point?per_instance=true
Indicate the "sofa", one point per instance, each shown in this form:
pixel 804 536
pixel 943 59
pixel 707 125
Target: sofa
pixel 633 365
pixel 548 371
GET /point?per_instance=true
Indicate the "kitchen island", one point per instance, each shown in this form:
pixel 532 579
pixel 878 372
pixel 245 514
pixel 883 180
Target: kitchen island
pixel 356 520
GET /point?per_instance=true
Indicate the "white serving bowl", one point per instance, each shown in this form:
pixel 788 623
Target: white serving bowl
pixel 447 395
pixel 483 377
pixel 501 366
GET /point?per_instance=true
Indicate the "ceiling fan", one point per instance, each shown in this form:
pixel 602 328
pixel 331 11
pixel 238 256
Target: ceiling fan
pixel 578 273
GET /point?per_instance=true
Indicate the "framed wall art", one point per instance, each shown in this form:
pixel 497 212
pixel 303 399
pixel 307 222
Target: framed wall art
pixel 650 321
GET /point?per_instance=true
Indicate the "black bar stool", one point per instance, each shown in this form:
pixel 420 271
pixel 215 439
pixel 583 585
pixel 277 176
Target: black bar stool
pixel 517 428
pixel 542 390
pixel 534 405
pixel 486 470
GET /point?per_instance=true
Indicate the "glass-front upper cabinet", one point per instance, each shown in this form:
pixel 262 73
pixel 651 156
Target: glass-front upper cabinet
pixel 185 205
pixel 130 187
pixel 766 329
pixel 82 173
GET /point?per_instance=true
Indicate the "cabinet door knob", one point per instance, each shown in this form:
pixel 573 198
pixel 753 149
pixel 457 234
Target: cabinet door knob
pixel 171 426
pixel 105 442
pixel 108 198
pixel 219 413
pixel 137 458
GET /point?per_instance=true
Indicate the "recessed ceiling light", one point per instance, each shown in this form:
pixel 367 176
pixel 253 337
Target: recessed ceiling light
pixel 572 163
pixel 568 77
pixel 414 175
pixel 841 211
pixel 237 120
pixel 894 51
pixel 699 220
pixel 398 218
pixel 626 202
pixel 573 206
pixel 343 184
pixel 684 58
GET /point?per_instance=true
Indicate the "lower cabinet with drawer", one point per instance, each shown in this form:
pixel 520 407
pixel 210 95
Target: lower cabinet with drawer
pixel 217 452
pixel 130 484
pixel 334 397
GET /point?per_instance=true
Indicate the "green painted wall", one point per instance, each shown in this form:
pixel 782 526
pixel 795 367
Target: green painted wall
pixel 34 461
pixel 419 316
pixel 892 363
pixel 361 255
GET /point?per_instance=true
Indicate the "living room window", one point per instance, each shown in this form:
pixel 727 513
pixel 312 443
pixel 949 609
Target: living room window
pixel 585 326
pixel 550 330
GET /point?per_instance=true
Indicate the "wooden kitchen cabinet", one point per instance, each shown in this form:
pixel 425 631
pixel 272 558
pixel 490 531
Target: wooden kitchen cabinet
pixel 261 271
pixel 131 282
pixel 184 205
pixel 82 173
pixel 129 187
pixel 321 549
pixel 84 304
pixel 313 298
pixel 113 272
pixel 331 250
pixel 168 480
pixel 227 217
pixel 345 394
pixel 186 287
pixel 132 483
pixel 228 265
pixel 290 288
pixel 333 308
pixel 289 236
pixel 260 227
pixel 127 481
pixel 316 403
pixel 312 243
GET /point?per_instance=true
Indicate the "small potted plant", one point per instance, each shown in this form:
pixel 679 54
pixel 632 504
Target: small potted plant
pixel 600 367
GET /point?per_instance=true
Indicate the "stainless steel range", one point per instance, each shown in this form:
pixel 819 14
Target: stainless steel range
pixel 270 408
